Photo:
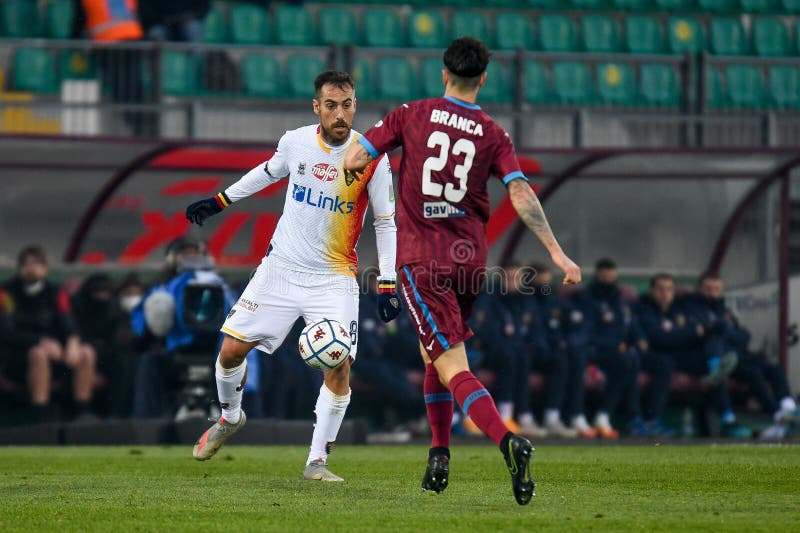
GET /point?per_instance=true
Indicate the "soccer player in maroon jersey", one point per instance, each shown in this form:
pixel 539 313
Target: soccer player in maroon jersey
pixel 450 149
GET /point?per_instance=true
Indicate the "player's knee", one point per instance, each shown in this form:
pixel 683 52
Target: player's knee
pixel 232 353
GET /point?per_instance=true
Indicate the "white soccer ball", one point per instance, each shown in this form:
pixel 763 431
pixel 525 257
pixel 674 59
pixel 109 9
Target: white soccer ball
pixel 324 345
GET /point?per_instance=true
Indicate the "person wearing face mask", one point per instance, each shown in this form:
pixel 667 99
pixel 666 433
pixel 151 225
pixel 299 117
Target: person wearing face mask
pixel 42 338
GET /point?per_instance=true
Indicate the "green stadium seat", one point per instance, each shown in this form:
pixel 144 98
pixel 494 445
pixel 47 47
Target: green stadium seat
pixel 675 6
pixel 771 37
pixel 715 98
pixel 659 86
pixel 249 24
pixel 791 6
pixel 293 26
pixel 431 77
pixel 632 5
pixel 536 83
pixel 382 28
pixel 261 76
pixel 496 88
pixel 178 73
pixel 59 15
pixel 745 86
pixel 469 24
pixel 557 33
pixel 365 83
pixel 396 79
pixel 759 6
pixel 214 28
pixel 727 37
pixel 77 65
pixel 718 6
pixel 337 26
pixel 643 35
pixel 513 30
pixel 797 36
pixel 599 34
pixel 301 70
pixel 685 35
pixel 426 30
pixel 616 84
pixel 572 83
pixel 19 19
pixel 588 4
pixel 543 4
pixel 34 71
pixel 784 86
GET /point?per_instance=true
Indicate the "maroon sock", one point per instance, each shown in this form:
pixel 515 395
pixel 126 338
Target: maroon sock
pixel 439 404
pixel 477 403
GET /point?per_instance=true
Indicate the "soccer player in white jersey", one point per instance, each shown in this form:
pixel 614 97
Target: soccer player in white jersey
pixel 310 266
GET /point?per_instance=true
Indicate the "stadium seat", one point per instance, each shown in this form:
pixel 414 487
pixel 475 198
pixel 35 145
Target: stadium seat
pixel 616 84
pixel 599 34
pixel 337 26
pixel 58 19
pixel 543 4
pixel 301 71
pixel 249 24
pixel 469 24
pixel 784 86
pixel 77 65
pixel 745 86
pixel 632 5
pixel 771 37
pixel 426 30
pixel 718 6
pixel 396 80
pixel 261 76
pixel 715 98
pixel 791 6
pixel 572 83
pixel 659 85
pixel 536 83
pixel 214 28
pixel 674 6
pixel 19 19
pixel 557 33
pixel 382 28
pixel 643 35
pixel 34 71
pixel 727 37
pixel 496 89
pixel 431 77
pixel 293 26
pixel 588 4
pixel 685 35
pixel 513 30
pixel 178 73
pixel 365 83
pixel 759 6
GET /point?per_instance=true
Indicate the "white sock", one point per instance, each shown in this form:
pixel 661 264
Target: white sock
pixel 552 416
pixel 506 410
pixel 229 390
pixel 602 420
pixel 580 423
pixel 788 404
pixel 330 411
pixel 526 419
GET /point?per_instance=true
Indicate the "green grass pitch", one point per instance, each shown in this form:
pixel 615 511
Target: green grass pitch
pixel 747 488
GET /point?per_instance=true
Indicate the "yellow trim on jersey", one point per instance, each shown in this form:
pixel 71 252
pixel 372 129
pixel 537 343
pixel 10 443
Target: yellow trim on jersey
pixel 322 144
pixel 234 333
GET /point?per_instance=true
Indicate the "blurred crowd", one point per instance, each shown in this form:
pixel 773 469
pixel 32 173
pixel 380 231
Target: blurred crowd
pixel 568 362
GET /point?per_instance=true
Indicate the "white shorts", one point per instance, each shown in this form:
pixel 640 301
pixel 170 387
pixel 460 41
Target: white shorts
pixel 275 298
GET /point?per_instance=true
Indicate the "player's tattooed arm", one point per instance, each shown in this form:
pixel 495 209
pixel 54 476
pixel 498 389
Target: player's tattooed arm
pixel 532 214
pixel 356 158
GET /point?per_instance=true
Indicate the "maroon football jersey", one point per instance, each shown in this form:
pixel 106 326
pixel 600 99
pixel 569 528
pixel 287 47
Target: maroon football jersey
pixel 450 149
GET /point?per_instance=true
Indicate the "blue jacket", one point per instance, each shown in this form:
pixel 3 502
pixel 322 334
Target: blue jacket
pixel 610 324
pixel 673 330
pixel 718 321
pixel 561 321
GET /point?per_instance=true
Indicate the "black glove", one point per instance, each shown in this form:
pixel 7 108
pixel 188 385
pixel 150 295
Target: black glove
pixel 199 211
pixel 388 301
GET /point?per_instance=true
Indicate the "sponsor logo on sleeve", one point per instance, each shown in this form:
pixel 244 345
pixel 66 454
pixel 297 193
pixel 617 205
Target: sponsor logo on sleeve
pixel 442 210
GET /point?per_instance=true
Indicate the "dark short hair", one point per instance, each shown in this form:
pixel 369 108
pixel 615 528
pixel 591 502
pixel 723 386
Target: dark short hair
pixel 337 78
pixel 661 276
pixel 33 251
pixel 466 58
pixel 708 274
pixel 605 263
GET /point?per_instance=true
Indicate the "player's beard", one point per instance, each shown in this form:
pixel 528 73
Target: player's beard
pixel 332 136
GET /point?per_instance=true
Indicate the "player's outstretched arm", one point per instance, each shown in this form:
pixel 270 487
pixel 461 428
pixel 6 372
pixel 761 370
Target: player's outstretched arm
pixel 532 214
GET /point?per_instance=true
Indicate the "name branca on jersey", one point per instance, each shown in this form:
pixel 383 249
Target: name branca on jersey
pixel 454 121
pixel 442 210
pixel 304 194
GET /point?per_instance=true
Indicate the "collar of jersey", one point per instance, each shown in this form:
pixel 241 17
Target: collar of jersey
pixel 462 103
pixel 327 149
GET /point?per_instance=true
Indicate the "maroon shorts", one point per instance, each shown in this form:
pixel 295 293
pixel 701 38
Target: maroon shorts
pixel 439 300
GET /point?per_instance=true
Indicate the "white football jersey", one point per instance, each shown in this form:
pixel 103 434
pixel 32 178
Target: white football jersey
pixel 323 213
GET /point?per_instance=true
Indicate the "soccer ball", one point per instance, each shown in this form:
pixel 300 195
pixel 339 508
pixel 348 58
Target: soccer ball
pixel 324 345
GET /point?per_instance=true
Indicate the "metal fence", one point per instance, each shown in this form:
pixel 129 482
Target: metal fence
pixel 172 90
